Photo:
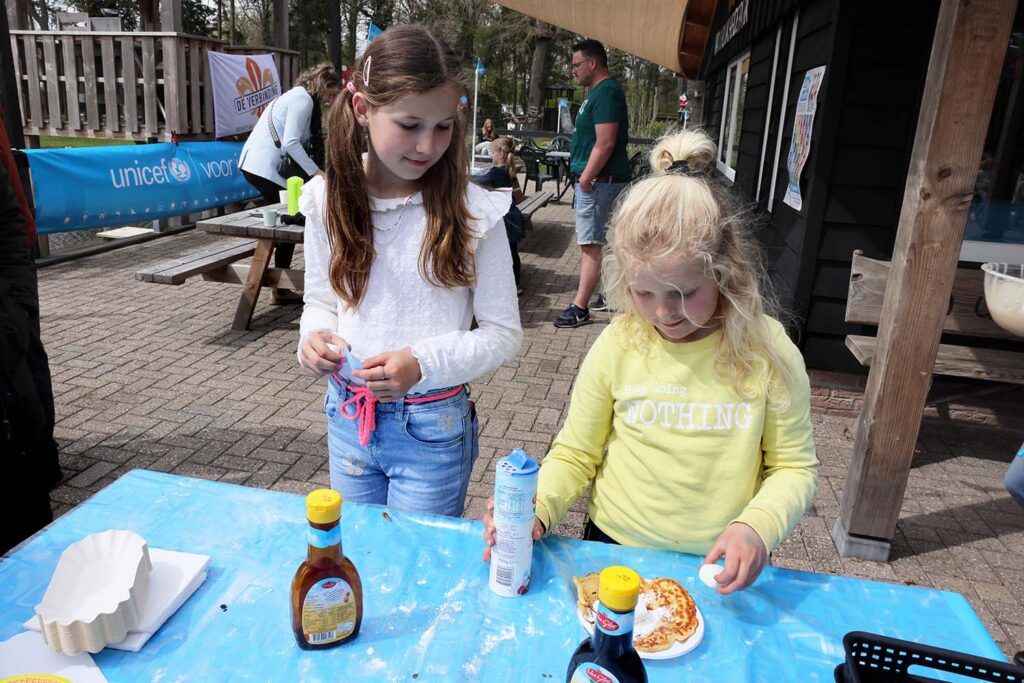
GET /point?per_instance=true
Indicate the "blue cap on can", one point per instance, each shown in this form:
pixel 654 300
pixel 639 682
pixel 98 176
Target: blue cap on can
pixel 518 463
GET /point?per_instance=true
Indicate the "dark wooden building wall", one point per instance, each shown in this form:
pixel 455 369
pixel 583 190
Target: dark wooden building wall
pixel 876 53
pixel 877 111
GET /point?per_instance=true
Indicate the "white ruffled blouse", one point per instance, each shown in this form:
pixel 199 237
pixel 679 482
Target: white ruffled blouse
pixel 401 309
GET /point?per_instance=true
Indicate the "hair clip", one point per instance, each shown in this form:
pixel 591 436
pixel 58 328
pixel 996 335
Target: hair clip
pixel 682 167
pixel 351 87
pixel 679 167
pixel 366 71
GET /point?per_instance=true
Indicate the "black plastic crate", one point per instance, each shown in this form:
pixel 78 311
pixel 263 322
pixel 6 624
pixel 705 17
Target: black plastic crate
pixel 872 658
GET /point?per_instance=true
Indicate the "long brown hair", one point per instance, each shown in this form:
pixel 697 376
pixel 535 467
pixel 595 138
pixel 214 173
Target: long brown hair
pixel 402 61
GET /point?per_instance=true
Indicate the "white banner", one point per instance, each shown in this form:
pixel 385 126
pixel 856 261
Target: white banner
pixel 243 86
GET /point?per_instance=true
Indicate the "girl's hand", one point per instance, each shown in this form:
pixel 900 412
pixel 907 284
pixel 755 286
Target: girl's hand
pixel 488 520
pixel 390 375
pixel 318 359
pixel 745 557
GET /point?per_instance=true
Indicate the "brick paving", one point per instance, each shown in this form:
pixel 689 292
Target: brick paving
pixel 152 376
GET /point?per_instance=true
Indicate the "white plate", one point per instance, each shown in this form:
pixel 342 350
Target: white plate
pixel 677 650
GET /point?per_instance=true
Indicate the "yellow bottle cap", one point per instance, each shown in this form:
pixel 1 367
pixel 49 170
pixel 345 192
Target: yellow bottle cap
pixel 618 587
pixel 323 506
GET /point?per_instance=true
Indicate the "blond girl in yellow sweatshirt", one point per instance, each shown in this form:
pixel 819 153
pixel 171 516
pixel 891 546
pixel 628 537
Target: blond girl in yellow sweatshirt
pixel 690 417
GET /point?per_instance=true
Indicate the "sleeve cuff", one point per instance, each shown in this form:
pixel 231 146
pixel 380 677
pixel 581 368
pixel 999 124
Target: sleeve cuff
pixel 544 516
pixel 764 524
pixel 422 356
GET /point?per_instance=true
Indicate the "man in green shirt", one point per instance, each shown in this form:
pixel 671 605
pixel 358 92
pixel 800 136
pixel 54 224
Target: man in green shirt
pixel 600 162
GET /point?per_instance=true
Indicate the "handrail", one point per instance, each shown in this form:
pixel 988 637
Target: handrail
pixel 124 85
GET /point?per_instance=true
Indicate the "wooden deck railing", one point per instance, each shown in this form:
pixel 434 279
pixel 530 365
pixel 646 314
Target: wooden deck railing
pixel 134 86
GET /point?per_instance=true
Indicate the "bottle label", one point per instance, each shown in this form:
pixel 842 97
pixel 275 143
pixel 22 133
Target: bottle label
pixel 319 538
pixel 612 623
pixel 328 612
pixel 592 673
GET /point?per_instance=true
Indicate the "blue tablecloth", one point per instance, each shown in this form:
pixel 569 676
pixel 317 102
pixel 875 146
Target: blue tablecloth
pixel 429 615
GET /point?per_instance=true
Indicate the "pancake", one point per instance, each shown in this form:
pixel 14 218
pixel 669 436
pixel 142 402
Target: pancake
pixel 678 616
pixel 586 594
pixel 664 599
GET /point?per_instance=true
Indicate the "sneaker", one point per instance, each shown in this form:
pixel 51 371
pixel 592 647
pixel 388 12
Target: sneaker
pixel 599 304
pixel 285 297
pixel 574 316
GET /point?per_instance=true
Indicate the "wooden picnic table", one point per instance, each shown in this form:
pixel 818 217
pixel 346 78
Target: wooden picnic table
pixel 248 224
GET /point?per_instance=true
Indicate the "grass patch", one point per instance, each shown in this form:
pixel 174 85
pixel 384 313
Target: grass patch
pixel 56 142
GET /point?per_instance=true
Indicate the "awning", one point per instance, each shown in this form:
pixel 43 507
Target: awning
pixel 672 33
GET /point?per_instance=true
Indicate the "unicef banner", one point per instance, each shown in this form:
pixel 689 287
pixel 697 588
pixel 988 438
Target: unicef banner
pixel 96 187
pixel 243 86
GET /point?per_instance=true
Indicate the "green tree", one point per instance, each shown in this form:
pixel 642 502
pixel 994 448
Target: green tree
pixel 197 18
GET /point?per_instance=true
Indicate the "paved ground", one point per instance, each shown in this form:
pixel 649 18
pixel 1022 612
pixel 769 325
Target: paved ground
pixel 152 376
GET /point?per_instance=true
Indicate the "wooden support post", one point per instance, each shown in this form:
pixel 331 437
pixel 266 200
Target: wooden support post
pixel 17 16
pixel 967 56
pixel 170 16
pixel 150 11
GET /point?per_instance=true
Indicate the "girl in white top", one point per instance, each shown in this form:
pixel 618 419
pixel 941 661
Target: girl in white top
pixel 402 255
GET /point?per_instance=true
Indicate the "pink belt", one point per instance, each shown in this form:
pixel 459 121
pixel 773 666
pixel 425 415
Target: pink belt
pixel 365 404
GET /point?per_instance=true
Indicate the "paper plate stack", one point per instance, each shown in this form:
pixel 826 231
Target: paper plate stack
pixel 96 591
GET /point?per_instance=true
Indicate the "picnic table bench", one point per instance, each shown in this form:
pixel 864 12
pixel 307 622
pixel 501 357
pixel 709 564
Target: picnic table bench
pixel 535 201
pixel 219 263
pixel 177 271
pixel 966 315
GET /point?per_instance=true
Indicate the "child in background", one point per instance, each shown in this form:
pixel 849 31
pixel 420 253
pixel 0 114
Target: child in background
pixel 690 416
pixel 503 175
pixel 402 254
pixel 487 136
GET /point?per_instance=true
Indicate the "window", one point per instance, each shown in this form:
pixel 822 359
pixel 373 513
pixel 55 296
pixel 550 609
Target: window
pixel 995 223
pixel 732 115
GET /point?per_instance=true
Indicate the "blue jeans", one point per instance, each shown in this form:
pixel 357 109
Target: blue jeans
pixel 418 459
pixel 593 210
pixel 1015 477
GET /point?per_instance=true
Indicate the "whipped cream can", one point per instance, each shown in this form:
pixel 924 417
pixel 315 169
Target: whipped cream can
pixel 515 496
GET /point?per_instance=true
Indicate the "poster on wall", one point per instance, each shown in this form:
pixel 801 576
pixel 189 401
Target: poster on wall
pixel 803 125
pixel 243 86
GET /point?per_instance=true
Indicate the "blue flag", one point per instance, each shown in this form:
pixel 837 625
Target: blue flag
pixel 373 31
pixel 480 67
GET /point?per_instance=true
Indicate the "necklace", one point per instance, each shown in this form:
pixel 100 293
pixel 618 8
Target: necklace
pixel 401 215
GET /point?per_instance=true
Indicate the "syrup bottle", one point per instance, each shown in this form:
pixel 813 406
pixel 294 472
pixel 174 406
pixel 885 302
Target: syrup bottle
pixel 327 595
pixel 608 656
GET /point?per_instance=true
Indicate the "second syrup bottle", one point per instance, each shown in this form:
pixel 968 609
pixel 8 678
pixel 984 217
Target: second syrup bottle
pixel 608 654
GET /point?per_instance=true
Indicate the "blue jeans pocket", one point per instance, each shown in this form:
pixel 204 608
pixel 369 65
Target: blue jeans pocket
pixel 440 427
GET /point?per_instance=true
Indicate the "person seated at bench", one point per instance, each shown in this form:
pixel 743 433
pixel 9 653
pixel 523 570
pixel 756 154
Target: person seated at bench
pixel 290 127
pixel 487 136
pixel 503 175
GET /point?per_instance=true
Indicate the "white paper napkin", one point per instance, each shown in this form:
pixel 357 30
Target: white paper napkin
pixel 28 653
pixel 174 578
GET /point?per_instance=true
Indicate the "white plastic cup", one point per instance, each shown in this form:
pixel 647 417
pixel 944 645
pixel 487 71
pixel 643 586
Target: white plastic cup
pixel 515 495
pixel 269 217
pixel 283 196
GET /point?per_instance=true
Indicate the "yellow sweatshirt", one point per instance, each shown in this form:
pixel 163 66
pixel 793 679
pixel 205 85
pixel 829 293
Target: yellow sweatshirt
pixel 675 454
